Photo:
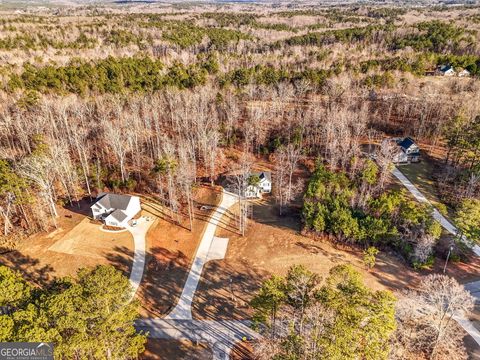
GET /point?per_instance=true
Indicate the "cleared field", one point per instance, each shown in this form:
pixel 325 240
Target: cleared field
pixel 76 243
pixel 87 239
pixel 273 243
pixel 171 248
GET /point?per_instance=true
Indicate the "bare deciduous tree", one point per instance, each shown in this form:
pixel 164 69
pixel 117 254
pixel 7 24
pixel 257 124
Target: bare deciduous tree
pixel 38 169
pixel 426 320
pixel 118 138
pixel 384 157
pixel 239 182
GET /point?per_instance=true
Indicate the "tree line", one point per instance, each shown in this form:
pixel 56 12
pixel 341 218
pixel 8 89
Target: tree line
pixel 112 75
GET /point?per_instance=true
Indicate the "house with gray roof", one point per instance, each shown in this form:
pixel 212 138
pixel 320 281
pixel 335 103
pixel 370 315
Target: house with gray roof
pixel 115 209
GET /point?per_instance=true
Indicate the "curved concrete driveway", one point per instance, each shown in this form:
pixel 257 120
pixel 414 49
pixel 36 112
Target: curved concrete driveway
pixel 138 232
pixel 210 248
pixel 178 324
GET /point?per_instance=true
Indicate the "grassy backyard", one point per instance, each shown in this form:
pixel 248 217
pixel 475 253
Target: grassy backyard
pixel 421 175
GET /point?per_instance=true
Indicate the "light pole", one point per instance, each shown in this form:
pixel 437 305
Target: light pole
pixel 448 256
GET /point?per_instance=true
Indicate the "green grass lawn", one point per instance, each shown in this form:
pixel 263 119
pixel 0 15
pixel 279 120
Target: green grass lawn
pixel 420 174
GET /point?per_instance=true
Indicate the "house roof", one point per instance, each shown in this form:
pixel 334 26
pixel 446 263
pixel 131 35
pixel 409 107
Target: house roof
pixel 118 215
pixel 263 175
pixel 445 68
pixel 114 201
pixel 406 143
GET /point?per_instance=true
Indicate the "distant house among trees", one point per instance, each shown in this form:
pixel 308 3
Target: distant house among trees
pixel 445 70
pixel 259 183
pixel 408 151
pixel 116 210
pixel 448 70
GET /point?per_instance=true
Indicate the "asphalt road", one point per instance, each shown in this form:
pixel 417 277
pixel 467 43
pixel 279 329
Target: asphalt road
pixel 220 335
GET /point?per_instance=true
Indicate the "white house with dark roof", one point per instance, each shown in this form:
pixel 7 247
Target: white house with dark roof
pixel 264 185
pixel 408 151
pixel 116 210
pixel 446 70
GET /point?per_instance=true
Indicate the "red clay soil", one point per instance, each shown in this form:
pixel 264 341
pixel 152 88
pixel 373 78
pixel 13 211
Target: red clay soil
pixel 76 243
pixel 170 252
pixel 157 349
pixel 273 243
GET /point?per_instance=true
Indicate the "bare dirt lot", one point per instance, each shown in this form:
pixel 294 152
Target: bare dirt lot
pixel 171 249
pixel 272 244
pixel 76 243
pixel 157 349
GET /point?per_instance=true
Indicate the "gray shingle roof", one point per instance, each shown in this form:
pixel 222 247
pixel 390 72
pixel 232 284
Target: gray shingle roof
pixel 114 201
pixel 118 215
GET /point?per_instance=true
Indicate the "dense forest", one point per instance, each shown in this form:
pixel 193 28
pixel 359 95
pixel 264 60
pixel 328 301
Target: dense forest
pixel 99 100
pixel 156 100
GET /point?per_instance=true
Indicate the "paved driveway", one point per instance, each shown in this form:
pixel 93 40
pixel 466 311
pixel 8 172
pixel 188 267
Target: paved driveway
pixel 139 233
pixel 210 248
pixel 220 335
pixel 466 324
pixel 178 324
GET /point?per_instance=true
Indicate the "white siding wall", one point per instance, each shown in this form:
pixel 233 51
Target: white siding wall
pixel 133 207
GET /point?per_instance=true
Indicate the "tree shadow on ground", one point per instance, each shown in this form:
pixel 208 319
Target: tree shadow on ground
pixel 121 258
pixel 81 207
pixel 316 249
pixel 160 349
pixel 473 349
pixel 163 213
pixel 265 211
pixel 392 271
pixel 242 351
pixel 163 280
pixel 30 268
pixel 225 290
pixel 228 220
pixel 202 212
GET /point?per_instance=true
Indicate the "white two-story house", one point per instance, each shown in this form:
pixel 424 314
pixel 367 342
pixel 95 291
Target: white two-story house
pixel 264 185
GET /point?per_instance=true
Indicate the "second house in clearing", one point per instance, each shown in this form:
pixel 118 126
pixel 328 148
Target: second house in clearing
pixel 408 151
pixel 259 183
pixel 116 210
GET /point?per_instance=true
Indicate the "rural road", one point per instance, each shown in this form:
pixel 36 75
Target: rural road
pixel 220 335
pixel 139 233
pixel 465 323
pixel 210 248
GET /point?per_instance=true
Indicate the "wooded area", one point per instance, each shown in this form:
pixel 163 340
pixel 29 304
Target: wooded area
pixel 156 102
